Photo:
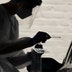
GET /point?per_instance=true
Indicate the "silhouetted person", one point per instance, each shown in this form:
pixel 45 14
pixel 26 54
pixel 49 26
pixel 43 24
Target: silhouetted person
pixel 11 53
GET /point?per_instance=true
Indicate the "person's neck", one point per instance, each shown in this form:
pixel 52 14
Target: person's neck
pixel 10 8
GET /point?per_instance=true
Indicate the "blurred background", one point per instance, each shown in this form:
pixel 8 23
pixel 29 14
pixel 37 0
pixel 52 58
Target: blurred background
pixel 55 18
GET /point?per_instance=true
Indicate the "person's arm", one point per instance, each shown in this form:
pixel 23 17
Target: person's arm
pixel 11 46
pixel 15 45
pixel 21 61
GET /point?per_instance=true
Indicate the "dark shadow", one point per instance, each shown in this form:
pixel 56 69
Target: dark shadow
pixel 48 65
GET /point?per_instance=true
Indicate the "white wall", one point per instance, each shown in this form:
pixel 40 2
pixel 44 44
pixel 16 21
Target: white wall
pixel 4 1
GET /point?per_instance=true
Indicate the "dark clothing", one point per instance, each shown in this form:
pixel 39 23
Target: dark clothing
pixel 48 65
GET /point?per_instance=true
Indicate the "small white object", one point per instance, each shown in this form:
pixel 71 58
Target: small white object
pixel 39 50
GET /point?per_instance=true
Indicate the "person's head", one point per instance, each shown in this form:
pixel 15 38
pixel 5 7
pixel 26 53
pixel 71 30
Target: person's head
pixel 23 8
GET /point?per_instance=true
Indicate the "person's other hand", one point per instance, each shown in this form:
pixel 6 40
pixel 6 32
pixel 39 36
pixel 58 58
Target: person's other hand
pixel 41 37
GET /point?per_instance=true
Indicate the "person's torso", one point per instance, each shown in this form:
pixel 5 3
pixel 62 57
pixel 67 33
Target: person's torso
pixel 10 23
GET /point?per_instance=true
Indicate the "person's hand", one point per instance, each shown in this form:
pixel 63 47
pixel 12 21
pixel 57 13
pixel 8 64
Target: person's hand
pixel 41 37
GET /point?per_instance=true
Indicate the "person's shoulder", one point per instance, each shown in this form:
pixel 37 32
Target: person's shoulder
pixel 1 8
pixel 2 11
